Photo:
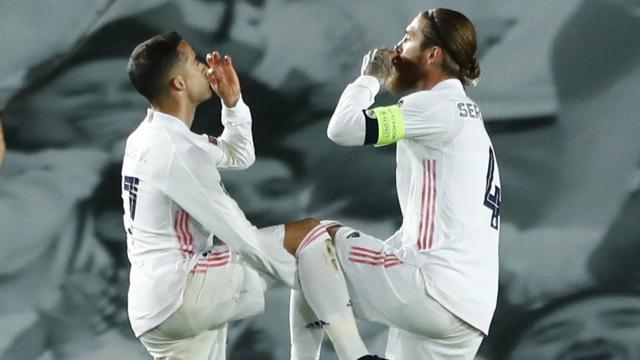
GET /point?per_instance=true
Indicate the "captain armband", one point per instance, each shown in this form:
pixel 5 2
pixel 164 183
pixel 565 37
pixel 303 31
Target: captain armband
pixel 384 125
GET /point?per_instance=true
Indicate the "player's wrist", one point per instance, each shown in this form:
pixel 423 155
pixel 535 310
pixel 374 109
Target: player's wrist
pixel 231 101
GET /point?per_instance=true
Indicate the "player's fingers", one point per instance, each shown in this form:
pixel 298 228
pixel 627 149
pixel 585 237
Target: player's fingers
pixel 209 59
pixel 214 85
pixel 218 72
pixel 225 69
pixel 217 61
pixel 231 71
pixel 365 62
pixel 374 53
pixel 212 75
pixel 387 53
pixel 365 59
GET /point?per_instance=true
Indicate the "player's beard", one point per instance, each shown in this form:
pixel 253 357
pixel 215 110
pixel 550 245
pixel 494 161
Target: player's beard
pixel 405 75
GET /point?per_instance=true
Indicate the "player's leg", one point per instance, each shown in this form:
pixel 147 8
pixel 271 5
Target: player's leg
pixel 460 343
pixel 306 329
pixel 325 290
pixel 208 345
pixel 386 290
pixel 220 288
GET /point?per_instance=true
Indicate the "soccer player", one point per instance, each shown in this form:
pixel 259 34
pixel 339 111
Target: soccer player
pixel 196 261
pixel 434 282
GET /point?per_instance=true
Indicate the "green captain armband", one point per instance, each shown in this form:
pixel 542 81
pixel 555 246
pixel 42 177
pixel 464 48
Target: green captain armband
pixel 390 124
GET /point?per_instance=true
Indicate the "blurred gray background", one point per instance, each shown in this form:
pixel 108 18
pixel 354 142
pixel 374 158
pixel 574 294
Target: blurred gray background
pixel 560 95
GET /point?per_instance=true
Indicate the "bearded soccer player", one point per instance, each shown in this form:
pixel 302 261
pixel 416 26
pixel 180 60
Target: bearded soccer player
pixel 434 282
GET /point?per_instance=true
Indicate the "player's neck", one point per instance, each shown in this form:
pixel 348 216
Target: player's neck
pixel 180 109
pixel 432 79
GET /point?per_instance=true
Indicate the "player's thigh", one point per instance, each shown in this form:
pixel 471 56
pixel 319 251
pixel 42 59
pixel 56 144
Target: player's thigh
pixel 220 295
pixel 462 343
pixel 222 287
pixel 380 285
pixel 207 345
pixel 386 290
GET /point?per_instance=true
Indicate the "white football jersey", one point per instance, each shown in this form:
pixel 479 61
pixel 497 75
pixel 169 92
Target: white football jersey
pixel 449 190
pixel 175 203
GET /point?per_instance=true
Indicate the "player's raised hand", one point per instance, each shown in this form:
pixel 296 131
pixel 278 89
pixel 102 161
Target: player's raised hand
pixel 223 78
pixel 377 63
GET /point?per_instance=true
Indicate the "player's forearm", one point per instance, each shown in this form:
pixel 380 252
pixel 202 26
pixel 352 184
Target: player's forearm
pixel 237 154
pixel 237 137
pixel 195 188
pixel 347 125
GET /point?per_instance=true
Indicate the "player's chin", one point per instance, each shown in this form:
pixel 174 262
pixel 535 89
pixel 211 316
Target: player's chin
pixel 395 86
pixel 208 93
pixel 402 80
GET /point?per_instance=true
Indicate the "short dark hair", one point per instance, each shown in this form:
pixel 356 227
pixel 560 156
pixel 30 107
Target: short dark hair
pixel 151 62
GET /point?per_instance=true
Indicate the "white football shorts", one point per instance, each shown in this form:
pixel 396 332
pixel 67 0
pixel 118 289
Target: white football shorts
pixel 221 288
pixel 385 290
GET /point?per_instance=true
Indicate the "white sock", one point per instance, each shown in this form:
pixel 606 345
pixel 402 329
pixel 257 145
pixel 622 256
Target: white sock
pixel 306 329
pixel 325 289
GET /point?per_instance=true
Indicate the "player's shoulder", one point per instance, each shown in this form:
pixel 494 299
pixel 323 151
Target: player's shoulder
pixel 151 143
pixel 424 98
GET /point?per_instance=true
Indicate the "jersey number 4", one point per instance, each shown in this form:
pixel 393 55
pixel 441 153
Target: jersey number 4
pixel 492 200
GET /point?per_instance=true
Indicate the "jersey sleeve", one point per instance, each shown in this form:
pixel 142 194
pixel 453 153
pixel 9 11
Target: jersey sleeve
pixel 195 185
pixel 347 126
pixel 422 115
pixel 233 149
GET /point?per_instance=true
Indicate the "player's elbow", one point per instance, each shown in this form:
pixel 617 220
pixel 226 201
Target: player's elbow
pixel 340 137
pixel 251 159
pixel 246 160
pixel 334 134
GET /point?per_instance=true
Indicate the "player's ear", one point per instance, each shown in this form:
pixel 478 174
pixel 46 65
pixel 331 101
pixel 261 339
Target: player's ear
pixel 177 83
pixel 433 53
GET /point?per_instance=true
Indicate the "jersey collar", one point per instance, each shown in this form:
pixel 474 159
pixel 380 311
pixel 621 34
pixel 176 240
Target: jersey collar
pixel 159 119
pixel 449 84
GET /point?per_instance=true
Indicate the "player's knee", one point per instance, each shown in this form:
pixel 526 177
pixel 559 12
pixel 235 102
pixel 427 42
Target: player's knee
pixel 297 231
pixel 310 223
pixel 318 246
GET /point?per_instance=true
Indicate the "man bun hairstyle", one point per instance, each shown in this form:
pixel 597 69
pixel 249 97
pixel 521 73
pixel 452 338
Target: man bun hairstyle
pixel 151 62
pixel 456 35
pixel 472 73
